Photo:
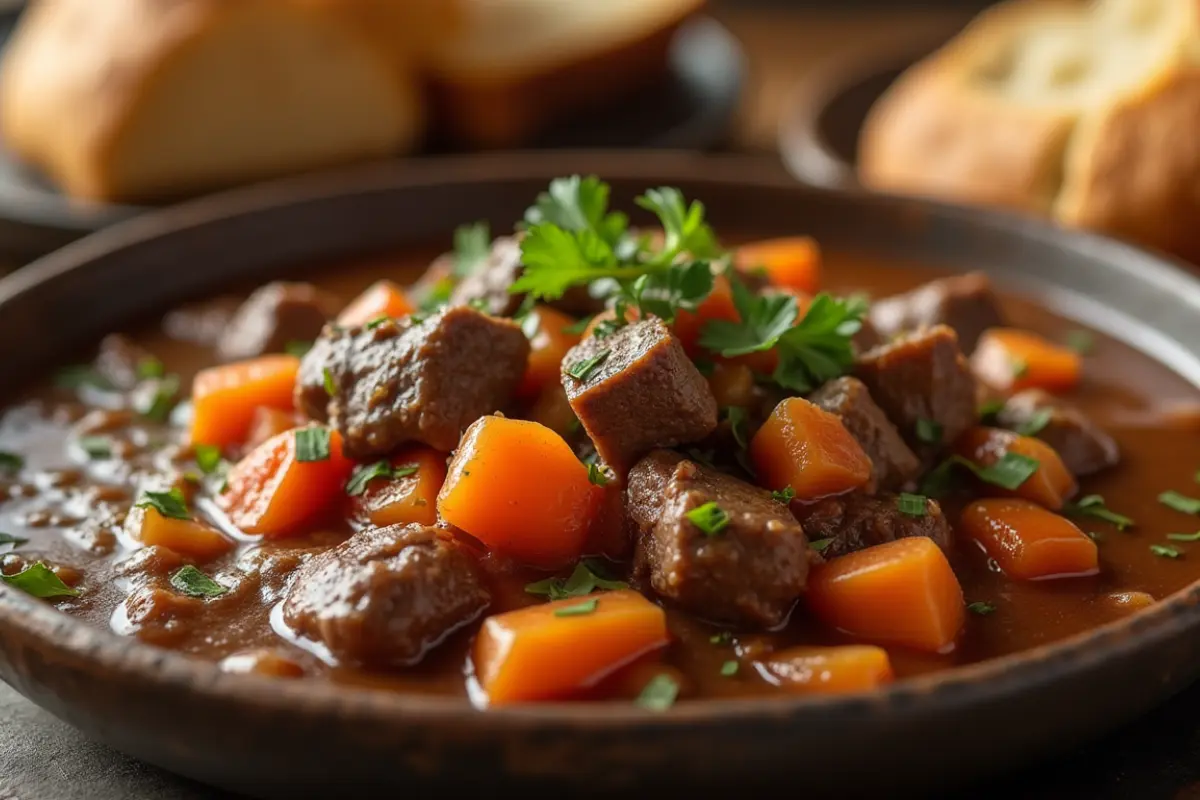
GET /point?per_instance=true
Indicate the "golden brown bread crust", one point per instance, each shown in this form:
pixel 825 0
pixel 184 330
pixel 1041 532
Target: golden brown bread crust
pixel 1122 159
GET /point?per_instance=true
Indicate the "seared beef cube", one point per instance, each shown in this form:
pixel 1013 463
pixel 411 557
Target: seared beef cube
pixel 118 361
pixel 893 463
pixel 965 303
pixel 922 380
pixel 1083 447
pixel 385 596
pixel 487 286
pixel 274 316
pixel 856 521
pixel 749 572
pixel 403 381
pixel 636 390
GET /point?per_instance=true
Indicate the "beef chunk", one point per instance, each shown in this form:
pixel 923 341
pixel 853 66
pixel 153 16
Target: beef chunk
pixel 386 596
pixel 1083 447
pixel 893 463
pixel 404 380
pixel 643 392
pixel 117 361
pixel 487 286
pixel 856 521
pixel 922 376
pixel 274 316
pixel 750 572
pixel 965 303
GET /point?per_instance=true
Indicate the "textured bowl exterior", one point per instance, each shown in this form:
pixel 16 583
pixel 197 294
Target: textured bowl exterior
pixel 309 739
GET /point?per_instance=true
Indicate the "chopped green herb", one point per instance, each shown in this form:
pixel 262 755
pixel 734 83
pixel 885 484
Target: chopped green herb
pixel 583 369
pixel 191 581
pixel 596 475
pixel 710 518
pixel 436 297
pixel 940 480
pixel 1180 502
pixel 150 367
pixel 480 304
pixel 158 405
pixel 577 610
pixel 1036 423
pixel 312 444
pixel 39 581
pixel 729 669
pixel 330 384
pixel 737 425
pixel 724 637
pixel 929 431
pixel 981 608
pixel 1165 551
pixel 1009 472
pixel 372 324
pixel 78 376
pixel 704 366
pixel 659 693
pixel 298 349
pixel 1081 341
pixel 15 541
pixel 579 326
pixel 208 457
pixel 820 545
pixel 663 294
pixel 606 328
pixel 96 447
pixel 1093 506
pixel 10 462
pixel 784 495
pixel 990 410
pixel 363 476
pixel 1020 368
pixel 472 245
pixel 762 321
pixel 912 505
pixel 587 576
pixel 170 503
pixel 1184 537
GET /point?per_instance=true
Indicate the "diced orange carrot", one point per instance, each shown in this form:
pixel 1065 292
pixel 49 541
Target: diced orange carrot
pixel 1050 485
pixel 902 592
pixel 381 299
pixel 732 384
pixel 272 493
pixel 553 410
pixel 1011 360
pixel 269 423
pixel 517 487
pixel 1027 541
pixel 560 649
pixel 831 670
pixel 548 347
pixel 411 498
pixel 718 305
pixel 226 397
pixel 809 449
pixel 189 537
pixel 790 263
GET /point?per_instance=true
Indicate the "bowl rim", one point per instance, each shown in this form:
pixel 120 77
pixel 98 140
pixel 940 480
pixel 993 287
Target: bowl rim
pixel 76 642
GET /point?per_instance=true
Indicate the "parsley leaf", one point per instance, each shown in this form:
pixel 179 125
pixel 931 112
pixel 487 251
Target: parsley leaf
pixel 659 693
pixel 1036 423
pixel 981 608
pixel 820 545
pixel 578 204
pixel 784 495
pixel 192 582
pixel 729 669
pixel 96 447
pixel 990 410
pixel 208 457
pixel 1180 502
pixel 582 370
pixel 683 223
pixel 312 444
pixel 170 504
pixel 1165 551
pixel 586 578
pixel 472 245
pixel 158 403
pixel 1009 472
pixel 1184 537
pixel 762 321
pixel 737 417
pixel 929 431
pixel 912 505
pixel 662 294
pixel 39 581
pixel 709 518
pixel 819 348
pixel 363 476
pixel 578 609
pixel 596 475
pixel 1093 506
pixel 10 462
pixel 330 384
pixel 150 367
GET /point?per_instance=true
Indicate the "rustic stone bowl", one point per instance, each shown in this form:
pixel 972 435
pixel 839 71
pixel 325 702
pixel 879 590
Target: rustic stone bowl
pixel 309 738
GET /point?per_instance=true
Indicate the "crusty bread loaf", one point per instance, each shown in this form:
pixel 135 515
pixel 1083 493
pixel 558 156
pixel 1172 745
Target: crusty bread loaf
pixel 519 65
pixel 1083 110
pixel 131 100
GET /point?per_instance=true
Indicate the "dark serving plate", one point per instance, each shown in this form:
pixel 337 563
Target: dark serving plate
pixel 308 738
pixel 692 108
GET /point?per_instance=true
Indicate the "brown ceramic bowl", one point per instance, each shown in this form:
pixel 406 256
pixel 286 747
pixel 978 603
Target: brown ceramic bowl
pixel 302 739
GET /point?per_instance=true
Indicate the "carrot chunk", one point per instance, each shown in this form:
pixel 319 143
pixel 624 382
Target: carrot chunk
pixel 273 493
pixel 718 305
pixel 902 592
pixel 1011 360
pixel 790 263
pixel 809 449
pixel 559 649
pixel 517 487
pixel 405 491
pixel 1050 485
pixel 226 397
pixel 1027 541
pixel 188 537
pixel 269 423
pixel 381 299
pixel 831 670
pixel 548 346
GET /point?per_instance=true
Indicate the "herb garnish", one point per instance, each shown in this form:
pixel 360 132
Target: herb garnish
pixel 582 370
pixel 737 417
pixel 208 457
pixel 160 402
pixel 584 579
pixel 39 581
pixel 912 505
pixel 729 669
pixel 191 581
pixel 659 693
pixel 1081 341
pixel 579 326
pixel 297 348
pixel 1180 502
pixel 1165 551
pixel 1184 537
pixel 820 545
pixel 312 444
pixel 15 541
pixel 929 431
pixel 10 462
pixel 150 367
pixel 1036 423
pixel 472 245
pixel 784 495
pixel 596 475
pixel 330 384
pixel 578 609
pixel 709 518
pixel 1093 506
pixel 96 447
pixel 374 323
pixel 990 410
pixel 380 469
pixel 170 503
pixel 981 608
pixel 724 637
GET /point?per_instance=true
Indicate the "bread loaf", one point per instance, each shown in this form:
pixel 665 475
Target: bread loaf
pixel 1085 111
pixel 133 100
